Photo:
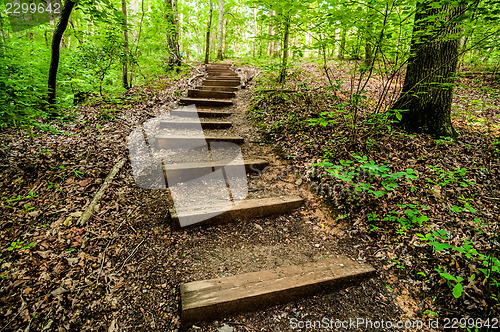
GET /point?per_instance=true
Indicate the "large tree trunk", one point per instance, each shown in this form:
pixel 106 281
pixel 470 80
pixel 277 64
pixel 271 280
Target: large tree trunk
pixel 428 86
pixel 174 59
pixel 207 40
pixel 220 32
pixel 125 46
pixel 286 37
pixel 56 42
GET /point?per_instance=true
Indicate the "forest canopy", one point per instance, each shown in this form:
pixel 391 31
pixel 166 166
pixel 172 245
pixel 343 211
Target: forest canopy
pixel 110 46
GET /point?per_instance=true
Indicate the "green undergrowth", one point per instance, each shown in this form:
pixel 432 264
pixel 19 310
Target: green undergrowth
pixel 420 200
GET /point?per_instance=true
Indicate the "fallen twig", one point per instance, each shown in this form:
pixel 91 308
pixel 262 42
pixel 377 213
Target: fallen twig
pixel 90 209
pixel 130 256
pixel 190 81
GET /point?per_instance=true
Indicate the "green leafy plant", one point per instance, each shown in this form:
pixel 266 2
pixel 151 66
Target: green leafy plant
pixel 18 244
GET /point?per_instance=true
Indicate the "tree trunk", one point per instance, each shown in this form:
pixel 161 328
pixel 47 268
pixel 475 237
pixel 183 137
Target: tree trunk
pixel 226 46
pixel 254 46
pixel 56 42
pixel 207 40
pixel 343 34
pixel 270 47
pixel 174 59
pixel 286 37
pixel 220 32
pixel 428 86
pixel 125 46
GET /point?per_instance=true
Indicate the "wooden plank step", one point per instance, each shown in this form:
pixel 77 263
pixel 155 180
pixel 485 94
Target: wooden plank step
pixel 199 113
pixel 210 94
pixel 217 88
pixel 247 209
pixel 205 102
pixel 166 141
pixel 207 300
pixel 180 172
pixel 221 83
pixel 224 78
pixel 221 73
pixel 219 65
pixel 188 124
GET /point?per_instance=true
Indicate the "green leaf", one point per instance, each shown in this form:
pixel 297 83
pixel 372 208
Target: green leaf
pixel 458 290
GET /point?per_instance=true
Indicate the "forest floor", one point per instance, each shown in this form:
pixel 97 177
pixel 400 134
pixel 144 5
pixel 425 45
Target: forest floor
pixel 121 270
pixel 423 209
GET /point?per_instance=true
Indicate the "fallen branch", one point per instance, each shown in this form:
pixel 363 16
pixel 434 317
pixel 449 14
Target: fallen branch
pixel 97 198
pixel 190 81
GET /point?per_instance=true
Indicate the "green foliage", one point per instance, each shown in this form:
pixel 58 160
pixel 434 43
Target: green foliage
pixel 362 175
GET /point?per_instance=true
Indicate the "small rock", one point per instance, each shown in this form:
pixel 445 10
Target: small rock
pixel 259 227
pixel 298 182
pixel 317 245
pixel 225 328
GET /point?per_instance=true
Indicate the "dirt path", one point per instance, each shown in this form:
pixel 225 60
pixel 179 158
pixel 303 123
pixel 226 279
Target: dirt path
pixel 126 265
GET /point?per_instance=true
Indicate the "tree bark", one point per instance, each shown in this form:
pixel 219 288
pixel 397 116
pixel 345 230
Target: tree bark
pixel 343 34
pixel 286 37
pixel 125 46
pixel 220 32
pixel 174 59
pixel 207 40
pixel 56 42
pixel 270 47
pixel 428 86
pixel 254 45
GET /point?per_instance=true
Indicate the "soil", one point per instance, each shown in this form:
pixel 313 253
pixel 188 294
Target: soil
pixel 121 271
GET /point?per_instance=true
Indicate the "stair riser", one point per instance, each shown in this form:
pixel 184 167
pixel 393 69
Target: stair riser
pixel 196 125
pixel 175 175
pixel 207 102
pixel 176 142
pixel 246 213
pixel 260 290
pixel 217 88
pixel 219 66
pixel 224 78
pixel 210 94
pixel 221 73
pixel 199 113
pixel 221 83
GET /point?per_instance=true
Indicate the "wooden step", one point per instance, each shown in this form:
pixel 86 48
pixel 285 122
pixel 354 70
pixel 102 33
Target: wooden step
pixel 221 83
pixel 210 94
pixel 224 78
pixel 180 172
pixel 222 73
pixel 219 65
pixel 245 210
pixel 188 124
pixel 205 102
pixel 166 141
pixel 207 300
pixel 217 88
pixel 198 113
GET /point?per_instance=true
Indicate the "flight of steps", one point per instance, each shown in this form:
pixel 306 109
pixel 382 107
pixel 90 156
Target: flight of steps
pixel 198 146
